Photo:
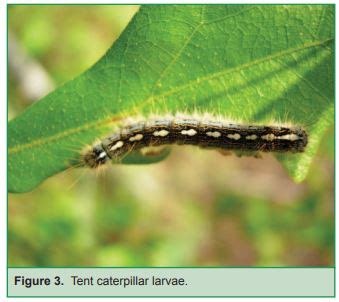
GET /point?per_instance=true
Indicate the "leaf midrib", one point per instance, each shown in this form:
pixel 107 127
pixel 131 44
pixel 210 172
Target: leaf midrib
pixel 152 98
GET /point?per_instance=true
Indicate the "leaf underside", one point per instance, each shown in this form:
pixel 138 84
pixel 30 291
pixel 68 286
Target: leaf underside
pixel 253 63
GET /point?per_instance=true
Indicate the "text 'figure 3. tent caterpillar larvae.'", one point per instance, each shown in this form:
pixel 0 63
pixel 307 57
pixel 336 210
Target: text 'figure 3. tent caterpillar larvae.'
pixel 203 132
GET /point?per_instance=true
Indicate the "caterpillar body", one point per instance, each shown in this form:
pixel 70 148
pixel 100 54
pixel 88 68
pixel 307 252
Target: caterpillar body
pixel 186 130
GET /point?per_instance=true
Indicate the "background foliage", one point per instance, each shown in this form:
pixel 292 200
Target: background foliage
pixel 196 208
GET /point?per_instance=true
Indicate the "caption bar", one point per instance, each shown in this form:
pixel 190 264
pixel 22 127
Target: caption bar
pixel 213 282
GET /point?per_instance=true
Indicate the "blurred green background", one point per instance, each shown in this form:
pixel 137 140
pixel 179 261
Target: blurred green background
pixel 197 208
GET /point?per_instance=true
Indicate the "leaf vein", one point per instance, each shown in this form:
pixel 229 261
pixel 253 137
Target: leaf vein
pixel 235 69
pixel 101 122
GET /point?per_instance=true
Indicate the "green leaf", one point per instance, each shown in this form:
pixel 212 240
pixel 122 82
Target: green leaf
pixel 255 63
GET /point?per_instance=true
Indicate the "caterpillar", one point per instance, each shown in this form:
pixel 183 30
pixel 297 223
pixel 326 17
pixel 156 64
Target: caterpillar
pixel 187 130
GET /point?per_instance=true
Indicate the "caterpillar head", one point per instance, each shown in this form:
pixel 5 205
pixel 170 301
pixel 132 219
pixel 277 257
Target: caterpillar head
pixel 95 157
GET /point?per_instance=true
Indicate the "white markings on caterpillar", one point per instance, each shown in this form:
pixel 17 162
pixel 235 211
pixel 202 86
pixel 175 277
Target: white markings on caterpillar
pixel 117 145
pixel 251 137
pixel 289 137
pixel 268 137
pixel 215 134
pixel 235 136
pixel 190 132
pixel 103 154
pixel 137 137
pixel 161 133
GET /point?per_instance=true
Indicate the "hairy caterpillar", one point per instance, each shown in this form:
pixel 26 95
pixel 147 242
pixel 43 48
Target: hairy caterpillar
pixel 187 130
